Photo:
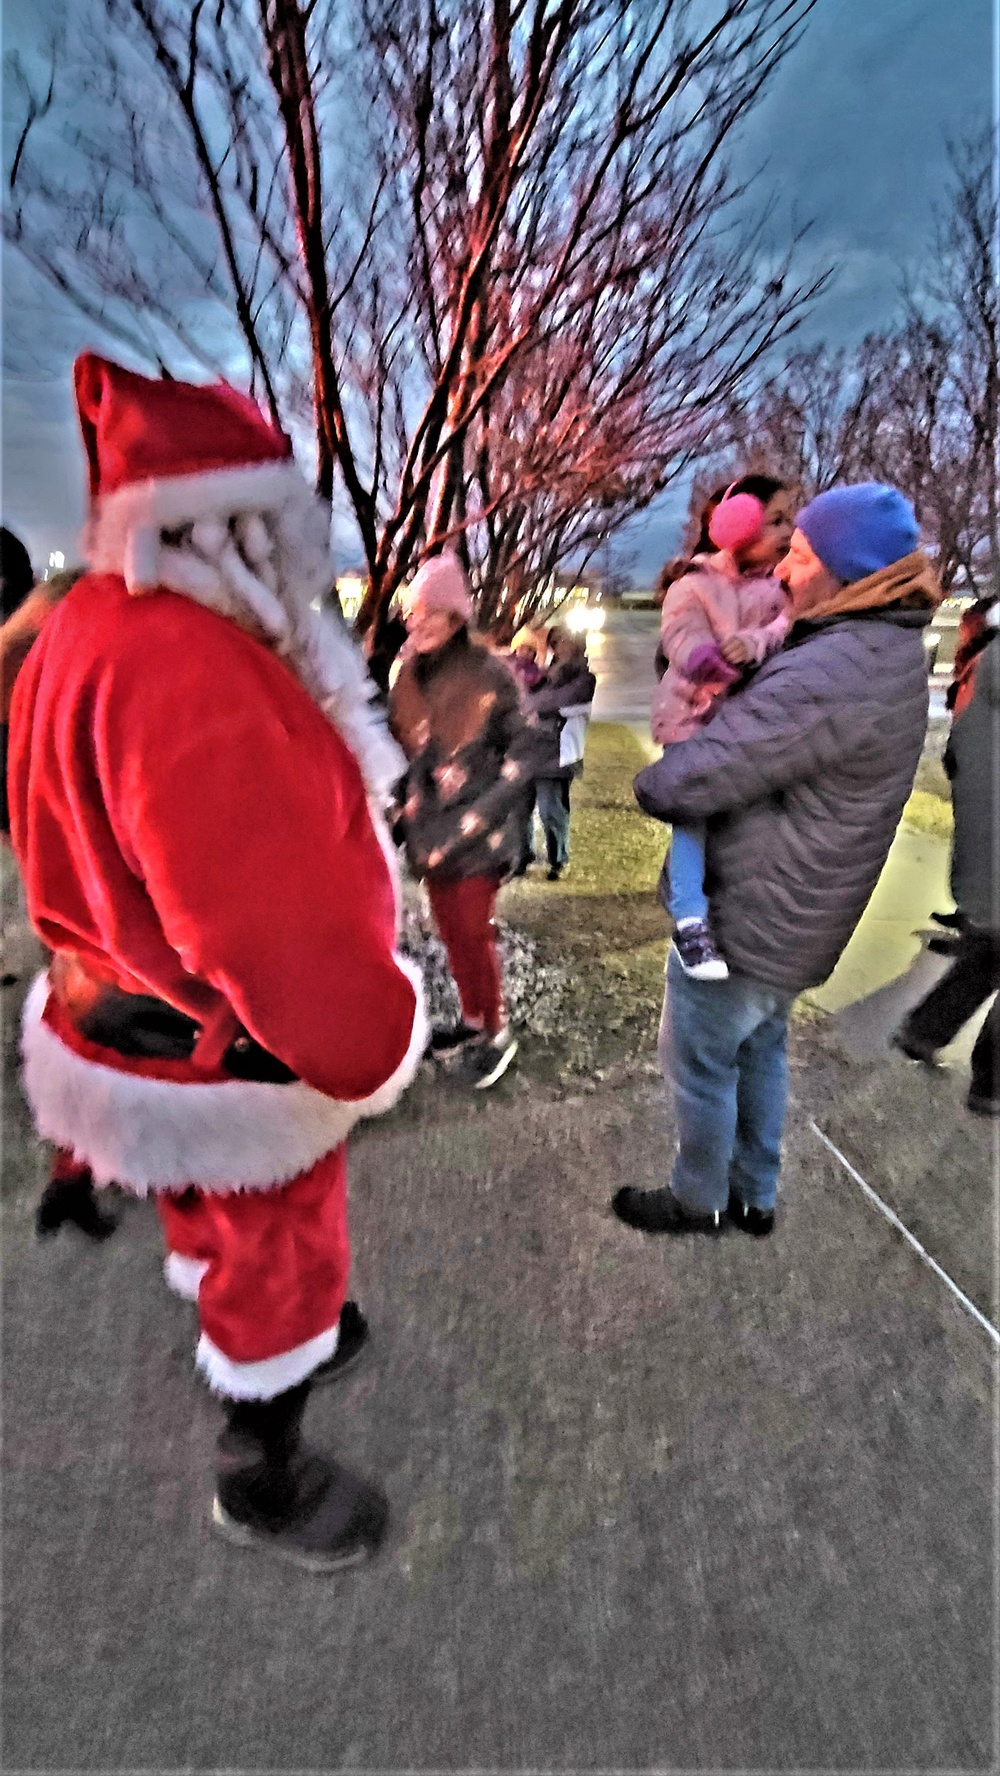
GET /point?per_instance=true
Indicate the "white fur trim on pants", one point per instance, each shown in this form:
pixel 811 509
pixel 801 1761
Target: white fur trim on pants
pixel 183 1275
pixel 272 1376
pixel 152 1134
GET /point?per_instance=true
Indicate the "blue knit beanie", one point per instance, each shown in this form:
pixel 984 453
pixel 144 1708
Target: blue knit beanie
pixel 855 531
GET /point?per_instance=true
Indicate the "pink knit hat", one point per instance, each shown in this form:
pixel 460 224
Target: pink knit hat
pixel 439 586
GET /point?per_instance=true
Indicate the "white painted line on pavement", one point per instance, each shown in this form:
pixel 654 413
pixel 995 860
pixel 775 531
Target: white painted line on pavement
pixel 907 1235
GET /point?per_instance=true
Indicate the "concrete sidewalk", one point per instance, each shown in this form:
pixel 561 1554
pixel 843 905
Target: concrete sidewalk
pixel 713 1506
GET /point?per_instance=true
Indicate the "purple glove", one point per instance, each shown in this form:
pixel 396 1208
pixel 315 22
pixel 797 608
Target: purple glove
pixel 707 662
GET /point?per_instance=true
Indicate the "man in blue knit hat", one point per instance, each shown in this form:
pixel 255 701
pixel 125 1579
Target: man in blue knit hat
pixel 801 775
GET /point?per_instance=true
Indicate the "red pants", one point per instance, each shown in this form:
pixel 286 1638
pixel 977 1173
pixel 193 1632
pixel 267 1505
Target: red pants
pixel 463 913
pixel 268 1269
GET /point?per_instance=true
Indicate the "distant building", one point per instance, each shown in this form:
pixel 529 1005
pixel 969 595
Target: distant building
pixel 351 588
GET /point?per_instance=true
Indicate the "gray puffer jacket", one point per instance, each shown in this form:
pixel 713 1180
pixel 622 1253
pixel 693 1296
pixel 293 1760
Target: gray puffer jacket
pixel 802 776
pixel 973 759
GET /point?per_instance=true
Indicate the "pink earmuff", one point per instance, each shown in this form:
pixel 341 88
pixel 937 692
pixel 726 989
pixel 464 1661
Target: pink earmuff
pixel 738 519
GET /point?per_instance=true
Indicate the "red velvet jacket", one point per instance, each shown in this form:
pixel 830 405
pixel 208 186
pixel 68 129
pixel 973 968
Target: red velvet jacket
pixel 189 822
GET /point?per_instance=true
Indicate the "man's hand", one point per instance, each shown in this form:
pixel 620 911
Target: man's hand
pixel 735 651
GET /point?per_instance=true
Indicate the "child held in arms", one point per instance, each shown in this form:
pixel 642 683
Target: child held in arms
pixel 725 614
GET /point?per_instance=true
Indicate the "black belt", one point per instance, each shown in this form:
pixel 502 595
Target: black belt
pixel 140 1026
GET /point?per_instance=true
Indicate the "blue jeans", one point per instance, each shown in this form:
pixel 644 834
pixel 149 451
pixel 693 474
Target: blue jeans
pixel 552 794
pixel 722 1044
pixel 686 871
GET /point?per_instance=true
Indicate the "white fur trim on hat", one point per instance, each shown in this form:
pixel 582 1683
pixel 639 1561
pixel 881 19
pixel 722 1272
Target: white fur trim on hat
pixel 174 500
pixel 268 1378
pixel 281 569
pixel 153 1134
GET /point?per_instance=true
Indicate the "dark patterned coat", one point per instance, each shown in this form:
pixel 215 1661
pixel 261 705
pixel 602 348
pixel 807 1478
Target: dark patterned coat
pixel 461 805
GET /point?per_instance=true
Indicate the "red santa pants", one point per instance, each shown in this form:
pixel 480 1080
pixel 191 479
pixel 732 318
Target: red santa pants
pixel 463 913
pixel 268 1269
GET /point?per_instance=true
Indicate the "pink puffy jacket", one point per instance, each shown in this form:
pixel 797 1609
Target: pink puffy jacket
pixel 712 602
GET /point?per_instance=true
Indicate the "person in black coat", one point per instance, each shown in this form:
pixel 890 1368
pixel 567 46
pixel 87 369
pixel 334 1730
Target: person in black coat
pixel 560 709
pixel 974 976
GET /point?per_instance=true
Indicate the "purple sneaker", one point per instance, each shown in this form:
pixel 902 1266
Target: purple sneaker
pixel 698 954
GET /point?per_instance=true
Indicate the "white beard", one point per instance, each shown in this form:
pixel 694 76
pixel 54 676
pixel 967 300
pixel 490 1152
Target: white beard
pixel 254 545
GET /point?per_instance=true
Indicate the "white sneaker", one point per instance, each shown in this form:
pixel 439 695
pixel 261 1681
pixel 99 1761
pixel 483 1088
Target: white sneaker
pixel 487 1061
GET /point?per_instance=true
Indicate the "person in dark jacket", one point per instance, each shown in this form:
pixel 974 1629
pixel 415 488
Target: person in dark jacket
pixel 528 675
pixel 69 1197
pixel 17 579
pixel 971 760
pixel 802 776
pixel 975 630
pixel 454 710
pixel 560 707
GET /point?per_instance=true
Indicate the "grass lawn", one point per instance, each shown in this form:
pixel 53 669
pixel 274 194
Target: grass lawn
pixel 605 920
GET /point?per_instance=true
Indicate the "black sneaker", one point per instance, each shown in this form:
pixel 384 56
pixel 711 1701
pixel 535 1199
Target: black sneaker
pixel 332 1517
pixel 759 1222
pixel 914 1049
pixel 946 944
pixel 352 1336
pixel 488 1060
pixel 955 921
pixel 72 1202
pixel 698 955
pixel 554 872
pixel 659 1211
pixel 444 1043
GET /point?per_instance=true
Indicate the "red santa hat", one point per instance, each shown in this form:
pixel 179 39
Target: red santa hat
pixel 164 454
pixel 167 457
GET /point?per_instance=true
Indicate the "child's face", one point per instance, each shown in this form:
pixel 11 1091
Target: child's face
pixel 772 544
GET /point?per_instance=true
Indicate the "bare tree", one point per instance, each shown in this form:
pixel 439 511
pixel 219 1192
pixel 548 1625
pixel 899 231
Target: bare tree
pixel 812 422
pixel 965 294
pixel 915 405
pixel 582 305
pixel 489 256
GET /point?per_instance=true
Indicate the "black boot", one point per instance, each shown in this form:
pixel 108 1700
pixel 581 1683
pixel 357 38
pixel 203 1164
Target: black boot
pixel 274 1493
pixel 659 1211
pixel 352 1339
pixel 759 1222
pixel 73 1201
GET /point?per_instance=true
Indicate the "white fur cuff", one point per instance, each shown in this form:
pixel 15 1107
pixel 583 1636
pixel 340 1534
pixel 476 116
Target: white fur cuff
pixel 152 1134
pixel 272 1376
pixel 183 1275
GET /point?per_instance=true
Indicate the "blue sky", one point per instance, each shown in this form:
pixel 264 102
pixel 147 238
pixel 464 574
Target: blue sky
pixel 852 135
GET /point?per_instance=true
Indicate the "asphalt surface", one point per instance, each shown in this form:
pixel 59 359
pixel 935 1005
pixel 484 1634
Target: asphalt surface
pixel 622 655
pixel 712 1506
pixel 673 1506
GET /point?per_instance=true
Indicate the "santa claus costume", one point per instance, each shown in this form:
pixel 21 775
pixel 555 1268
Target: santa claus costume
pixel 195 767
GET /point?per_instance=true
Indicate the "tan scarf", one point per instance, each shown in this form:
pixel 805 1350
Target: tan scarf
pixel 910 582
